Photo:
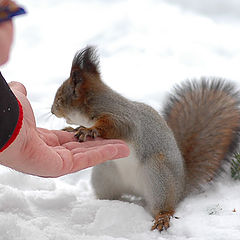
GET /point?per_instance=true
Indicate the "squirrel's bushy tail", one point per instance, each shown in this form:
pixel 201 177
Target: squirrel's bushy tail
pixel 205 118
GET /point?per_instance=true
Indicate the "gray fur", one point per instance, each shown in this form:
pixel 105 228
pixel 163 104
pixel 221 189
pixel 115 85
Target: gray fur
pixel 155 168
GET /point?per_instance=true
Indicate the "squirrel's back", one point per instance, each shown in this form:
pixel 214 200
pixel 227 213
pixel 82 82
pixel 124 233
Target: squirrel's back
pixel 205 119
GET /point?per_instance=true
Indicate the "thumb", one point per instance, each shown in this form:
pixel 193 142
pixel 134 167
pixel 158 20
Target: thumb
pixel 54 162
pixel 18 86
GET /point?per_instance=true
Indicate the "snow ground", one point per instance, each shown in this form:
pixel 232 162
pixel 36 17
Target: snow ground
pixel 146 47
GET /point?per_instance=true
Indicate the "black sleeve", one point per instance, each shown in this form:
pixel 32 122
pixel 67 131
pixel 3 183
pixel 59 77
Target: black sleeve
pixel 10 115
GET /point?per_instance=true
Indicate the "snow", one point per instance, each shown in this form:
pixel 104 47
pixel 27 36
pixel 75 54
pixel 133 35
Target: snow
pixel 146 47
pixel 35 208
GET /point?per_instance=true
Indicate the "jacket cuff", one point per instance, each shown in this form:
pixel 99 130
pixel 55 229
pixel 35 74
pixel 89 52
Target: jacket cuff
pixel 16 130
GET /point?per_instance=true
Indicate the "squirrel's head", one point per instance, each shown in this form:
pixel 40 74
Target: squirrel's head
pixel 84 80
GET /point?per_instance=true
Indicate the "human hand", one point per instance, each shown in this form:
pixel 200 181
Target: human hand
pixel 53 153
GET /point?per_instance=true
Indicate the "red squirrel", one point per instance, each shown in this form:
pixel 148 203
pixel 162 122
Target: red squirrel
pixel 171 155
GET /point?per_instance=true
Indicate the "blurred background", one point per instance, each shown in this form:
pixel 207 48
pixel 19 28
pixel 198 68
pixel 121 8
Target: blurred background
pixel 145 46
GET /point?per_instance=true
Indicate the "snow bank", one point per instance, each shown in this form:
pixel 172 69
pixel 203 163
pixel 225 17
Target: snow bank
pixel 65 208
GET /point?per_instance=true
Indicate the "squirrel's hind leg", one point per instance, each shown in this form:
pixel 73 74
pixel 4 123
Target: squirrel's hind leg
pixel 160 193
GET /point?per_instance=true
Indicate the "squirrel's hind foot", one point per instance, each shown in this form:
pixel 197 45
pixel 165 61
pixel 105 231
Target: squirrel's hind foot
pixel 162 221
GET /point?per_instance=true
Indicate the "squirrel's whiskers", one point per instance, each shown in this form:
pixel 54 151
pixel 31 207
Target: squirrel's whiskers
pixel 170 155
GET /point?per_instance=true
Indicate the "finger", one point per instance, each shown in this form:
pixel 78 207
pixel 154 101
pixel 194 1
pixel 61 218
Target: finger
pixel 93 157
pixel 64 162
pixel 49 138
pixel 18 86
pixel 94 143
pixel 59 161
pixel 82 150
pixel 64 136
pixel 99 155
pixel 53 162
pixel 67 161
pixel 58 137
pixel 120 147
pixel 122 151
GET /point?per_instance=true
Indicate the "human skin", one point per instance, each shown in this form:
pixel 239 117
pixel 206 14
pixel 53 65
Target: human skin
pixel 6 39
pixel 53 153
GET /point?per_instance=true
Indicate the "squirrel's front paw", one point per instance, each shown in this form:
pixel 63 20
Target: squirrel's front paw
pixel 82 133
pixel 162 221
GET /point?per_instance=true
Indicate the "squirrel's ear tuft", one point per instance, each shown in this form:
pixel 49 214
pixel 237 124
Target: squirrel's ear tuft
pixel 87 60
pixel 76 76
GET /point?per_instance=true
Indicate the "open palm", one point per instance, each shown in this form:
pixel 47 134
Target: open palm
pixel 53 153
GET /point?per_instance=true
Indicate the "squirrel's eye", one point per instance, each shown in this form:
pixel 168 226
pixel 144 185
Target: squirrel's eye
pixel 59 100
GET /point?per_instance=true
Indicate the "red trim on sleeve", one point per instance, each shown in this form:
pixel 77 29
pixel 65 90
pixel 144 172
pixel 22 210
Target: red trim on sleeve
pixel 17 128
